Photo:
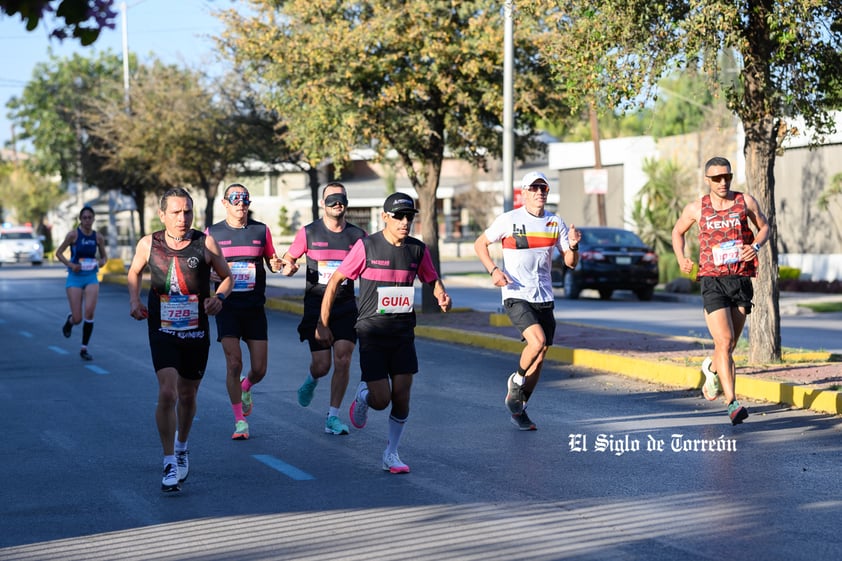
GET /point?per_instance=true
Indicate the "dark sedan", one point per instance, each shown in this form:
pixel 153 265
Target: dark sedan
pixel 609 259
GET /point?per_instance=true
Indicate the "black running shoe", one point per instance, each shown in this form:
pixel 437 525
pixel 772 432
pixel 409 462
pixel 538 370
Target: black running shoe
pixel 85 355
pixel 67 328
pixel 523 422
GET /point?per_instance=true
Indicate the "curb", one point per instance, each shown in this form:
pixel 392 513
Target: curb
pixel 684 377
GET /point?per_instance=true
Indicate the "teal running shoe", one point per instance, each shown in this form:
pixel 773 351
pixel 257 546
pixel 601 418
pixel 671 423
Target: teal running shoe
pixel 305 392
pixel 334 426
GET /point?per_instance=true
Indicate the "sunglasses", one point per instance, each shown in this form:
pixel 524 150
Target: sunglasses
pixel 239 197
pixel 538 188
pixel 721 177
pixel 399 216
pixel 336 199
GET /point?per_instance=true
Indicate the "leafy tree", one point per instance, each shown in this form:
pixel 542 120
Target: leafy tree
pixel 412 78
pixel 789 55
pixel 686 104
pixel 83 19
pixel 658 206
pixel 53 112
pixel 28 195
pixel 180 131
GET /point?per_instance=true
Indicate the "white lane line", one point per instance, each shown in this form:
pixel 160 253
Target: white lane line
pixel 58 350
pixel 289 470
pixel 96 369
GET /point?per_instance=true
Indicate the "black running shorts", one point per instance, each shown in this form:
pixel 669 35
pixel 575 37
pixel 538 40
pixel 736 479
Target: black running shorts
pixel 525 314
pixel 727 292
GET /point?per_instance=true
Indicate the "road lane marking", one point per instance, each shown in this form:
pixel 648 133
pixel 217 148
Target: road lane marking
pixel 290 471
pixel 26 334
pixel 96 369
pixel 58 350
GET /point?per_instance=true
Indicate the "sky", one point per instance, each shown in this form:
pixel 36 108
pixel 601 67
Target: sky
pixel 176 31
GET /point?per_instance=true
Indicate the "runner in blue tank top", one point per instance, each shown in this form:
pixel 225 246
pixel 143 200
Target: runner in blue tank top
pixel 82 282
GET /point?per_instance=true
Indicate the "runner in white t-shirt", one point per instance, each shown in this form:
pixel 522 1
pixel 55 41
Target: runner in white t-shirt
pixel 528 236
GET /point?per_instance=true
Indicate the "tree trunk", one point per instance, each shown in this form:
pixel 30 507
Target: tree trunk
pixel 429 227
pixel 765 319
pixel 313 181
pixel 140 204
pixel 210 186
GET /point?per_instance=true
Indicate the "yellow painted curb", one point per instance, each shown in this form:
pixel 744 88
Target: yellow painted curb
pixel 823 401
pixel 281 305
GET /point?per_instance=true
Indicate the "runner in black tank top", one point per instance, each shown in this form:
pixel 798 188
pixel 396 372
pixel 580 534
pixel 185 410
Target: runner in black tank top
pixel 179 302
pixel 325 243
pixel 247 246
pixel 387 264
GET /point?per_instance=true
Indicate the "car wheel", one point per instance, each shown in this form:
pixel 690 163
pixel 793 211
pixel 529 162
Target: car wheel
pixel 605 293
pixel 645 294
pixel 571 286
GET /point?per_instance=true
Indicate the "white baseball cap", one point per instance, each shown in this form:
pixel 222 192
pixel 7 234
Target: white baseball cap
pixel 532 177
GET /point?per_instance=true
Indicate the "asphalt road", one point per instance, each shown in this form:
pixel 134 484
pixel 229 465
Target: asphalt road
pixel 82 461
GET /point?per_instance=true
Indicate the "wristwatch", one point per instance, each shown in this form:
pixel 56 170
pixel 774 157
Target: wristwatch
pixel 756 247
pixel 221 296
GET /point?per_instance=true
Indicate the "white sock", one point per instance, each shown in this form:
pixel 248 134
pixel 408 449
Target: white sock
pixel 169 460
pixel 518 379
pixel 396 427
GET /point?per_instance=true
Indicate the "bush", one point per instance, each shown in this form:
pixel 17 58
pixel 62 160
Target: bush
pixel 822 287
pixel 788 273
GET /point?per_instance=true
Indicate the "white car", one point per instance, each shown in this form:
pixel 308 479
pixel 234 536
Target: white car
pixel 20 245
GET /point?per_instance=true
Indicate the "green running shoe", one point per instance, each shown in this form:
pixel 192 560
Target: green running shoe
pixel 241 431
pixel 247 402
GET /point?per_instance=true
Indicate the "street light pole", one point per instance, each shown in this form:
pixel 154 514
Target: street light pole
pixel 508 107
pixel 126 99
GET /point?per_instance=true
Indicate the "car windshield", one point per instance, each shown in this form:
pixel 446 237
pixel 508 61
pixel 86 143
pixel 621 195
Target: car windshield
pixel 17 236
pixel 611 238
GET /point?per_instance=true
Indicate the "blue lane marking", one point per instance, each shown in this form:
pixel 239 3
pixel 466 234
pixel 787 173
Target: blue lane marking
pixel 290 471
pixel 58 350
pixel 96 369
pixel 26 334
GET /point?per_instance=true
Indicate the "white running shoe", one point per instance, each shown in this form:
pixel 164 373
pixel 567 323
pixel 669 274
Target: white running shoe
pixel 711 388
pixel 182 464
pixel 359 408
pixel 393 464
pixel 514 397
pixel 170 481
